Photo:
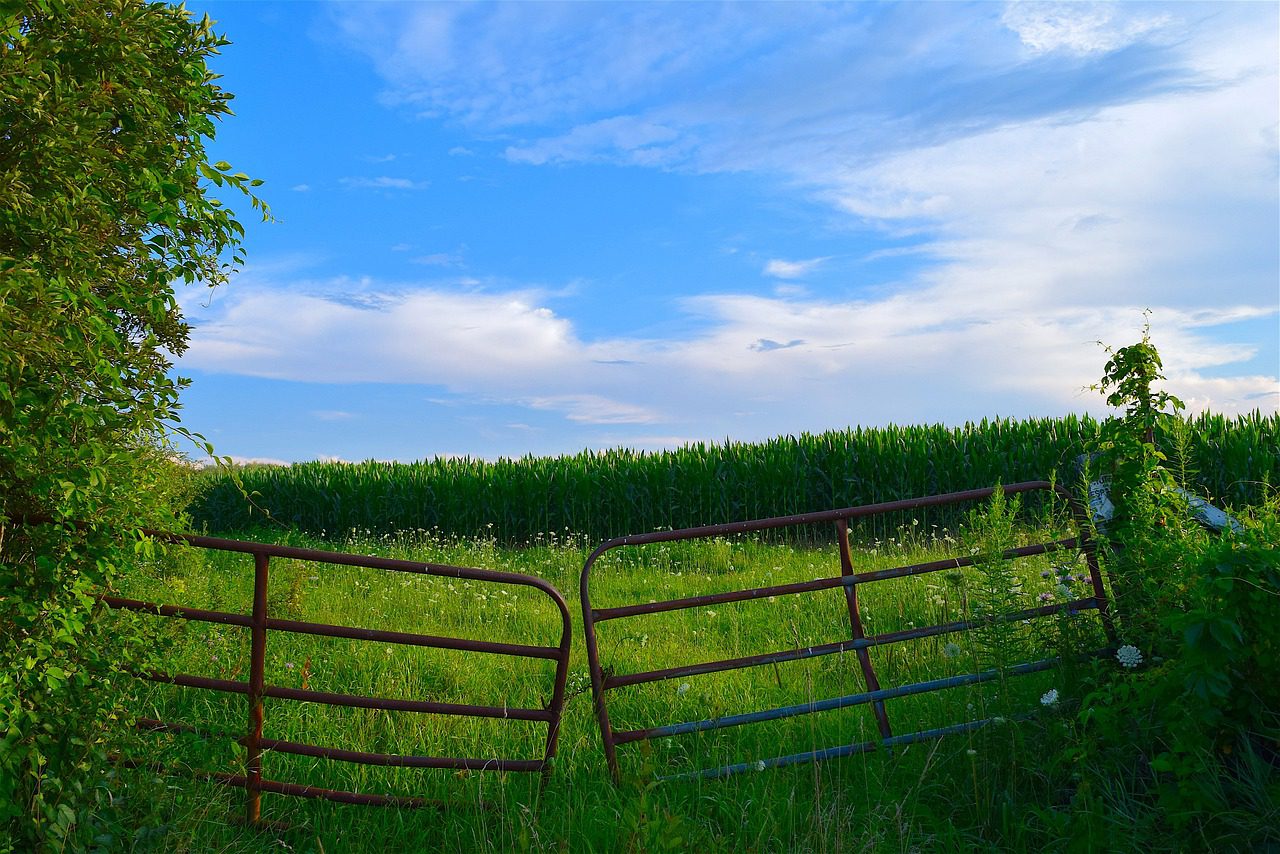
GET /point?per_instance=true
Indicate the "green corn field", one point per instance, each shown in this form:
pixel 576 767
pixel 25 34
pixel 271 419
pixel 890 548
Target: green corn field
pixel 603 494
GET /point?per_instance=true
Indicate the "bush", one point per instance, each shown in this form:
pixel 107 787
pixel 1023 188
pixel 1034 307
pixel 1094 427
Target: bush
pixel 105 106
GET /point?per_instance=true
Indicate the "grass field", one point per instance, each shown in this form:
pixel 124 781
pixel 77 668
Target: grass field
pixel 980 789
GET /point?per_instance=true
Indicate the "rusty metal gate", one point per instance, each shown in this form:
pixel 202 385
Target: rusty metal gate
pixel 259 623
pixel 858 642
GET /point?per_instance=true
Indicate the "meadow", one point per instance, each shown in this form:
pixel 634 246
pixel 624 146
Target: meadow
pixel 939 795
pixel 1176 750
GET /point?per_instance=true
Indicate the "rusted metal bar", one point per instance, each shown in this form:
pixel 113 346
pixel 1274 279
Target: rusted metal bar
pixel 185 613
pixel 363 702
pixel 401 760
pixel 257 670
pixel 188 681
pixel 855 623
pixel 602 614
pixel 408 639
pixel 824 516
pixel 337 795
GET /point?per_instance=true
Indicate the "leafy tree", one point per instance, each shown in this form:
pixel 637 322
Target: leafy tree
pixel 105 203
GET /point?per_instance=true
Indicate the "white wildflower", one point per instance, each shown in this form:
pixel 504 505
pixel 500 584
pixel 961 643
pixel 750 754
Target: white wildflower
pixel 951 650
pixel 683 689
pixel 1049 698
pixel 760 765
pixel 1129 656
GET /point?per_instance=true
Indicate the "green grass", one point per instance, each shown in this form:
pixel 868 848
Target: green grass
pixel 981 789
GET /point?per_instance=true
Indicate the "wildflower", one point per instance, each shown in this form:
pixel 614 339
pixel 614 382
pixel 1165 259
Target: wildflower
pixel 711 613
pixel 1049 698
pixel 288 665
pixel 683 689
pixel 1129 656
pixel 1045 573
pixel 1046 597
pixel 971 752
pixel 951 650
pixel 759 764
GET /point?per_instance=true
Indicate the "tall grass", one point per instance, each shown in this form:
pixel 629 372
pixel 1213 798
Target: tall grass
pixel 966 791
pixel 603 494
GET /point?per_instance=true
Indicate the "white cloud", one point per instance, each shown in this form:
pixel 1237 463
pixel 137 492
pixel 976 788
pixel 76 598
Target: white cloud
pixel 1079 27
pixel 300 188
pixel 384 182
pixel 595 409
pixel 777 364
pixel 332 415
pixel 780 269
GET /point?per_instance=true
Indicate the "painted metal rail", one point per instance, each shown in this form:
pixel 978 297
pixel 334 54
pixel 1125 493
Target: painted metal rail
pixel 260 624
pixel 858 642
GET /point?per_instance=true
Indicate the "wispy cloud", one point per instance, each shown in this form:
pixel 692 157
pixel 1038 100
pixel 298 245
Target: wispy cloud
pixel 1081 28
pixel 439 259
pixel 781 269
pixel 596 409
pixel 332 415
pixel 384 182
pixel 300 188
pixel 619 138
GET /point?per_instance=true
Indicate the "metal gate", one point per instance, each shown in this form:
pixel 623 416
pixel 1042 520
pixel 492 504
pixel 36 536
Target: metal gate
pixel 858 642
pixel 259 623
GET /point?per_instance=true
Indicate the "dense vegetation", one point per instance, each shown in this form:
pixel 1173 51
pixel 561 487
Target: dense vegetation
pixel 611 493
pixel 105 107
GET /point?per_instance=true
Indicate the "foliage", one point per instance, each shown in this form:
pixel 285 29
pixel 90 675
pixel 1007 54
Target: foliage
pixel 600 495
pixel 105 106
pixel 991 531
pixel 1203 611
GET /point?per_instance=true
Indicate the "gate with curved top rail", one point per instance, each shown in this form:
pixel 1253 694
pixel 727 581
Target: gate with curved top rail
pixel 858 641
pixel 259 623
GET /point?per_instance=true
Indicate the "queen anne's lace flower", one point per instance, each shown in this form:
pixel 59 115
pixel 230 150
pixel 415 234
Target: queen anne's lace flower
pixel 1129 656
pixel 1049 698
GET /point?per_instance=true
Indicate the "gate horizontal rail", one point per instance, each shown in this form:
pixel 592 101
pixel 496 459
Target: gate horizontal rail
pixel 260 624
pixel 858 643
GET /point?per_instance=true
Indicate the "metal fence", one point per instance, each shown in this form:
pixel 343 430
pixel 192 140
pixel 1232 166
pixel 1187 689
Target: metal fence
pixel 858 641
pixel 259 623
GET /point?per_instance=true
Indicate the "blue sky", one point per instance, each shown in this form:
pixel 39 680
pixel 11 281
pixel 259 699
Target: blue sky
pixel 534 228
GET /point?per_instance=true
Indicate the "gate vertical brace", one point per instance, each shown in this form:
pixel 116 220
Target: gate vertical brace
pixel 593 665
pixel 855 624
pixel 257 669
